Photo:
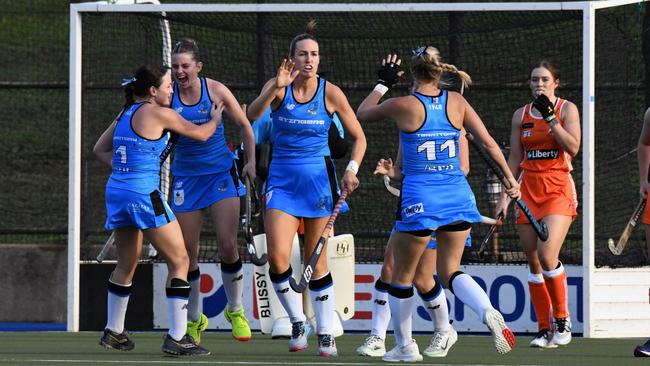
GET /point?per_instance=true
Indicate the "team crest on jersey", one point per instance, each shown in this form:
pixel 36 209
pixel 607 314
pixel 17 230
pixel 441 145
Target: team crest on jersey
pixel 414 209
pixel 203 107
pixel 223 186
pixel 526 133
pixel 323 203
pixel 179 197
pixel 291 106
pixel 179 109
pixel 313 109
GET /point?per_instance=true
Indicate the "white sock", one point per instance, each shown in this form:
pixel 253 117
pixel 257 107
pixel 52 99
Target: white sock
pixel 232 276
pixel 401 310
pixel 117 302
pixel 290 300
pixel 471 294
pixel 435 301
pixel 380 310
pixel 322 300
pixel 177 297
pixel 194 278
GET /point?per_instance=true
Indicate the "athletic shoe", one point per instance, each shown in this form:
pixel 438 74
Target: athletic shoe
pixel 327 346
pixel 543 339
pixel 194 329
pixel 642 351
pixel 441 343
pixel 281 328
pixel 408 353
pixel 373 346
pixel 504 340
pixel 299 333
pixel 118 341
pixel 562 333
pixel 185 347
pixel 241 331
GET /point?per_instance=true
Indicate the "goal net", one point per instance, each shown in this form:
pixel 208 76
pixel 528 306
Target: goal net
pixel 496 43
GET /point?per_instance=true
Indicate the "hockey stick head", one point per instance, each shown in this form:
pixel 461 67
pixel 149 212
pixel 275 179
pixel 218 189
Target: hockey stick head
pixel 247 225
pixel 612 247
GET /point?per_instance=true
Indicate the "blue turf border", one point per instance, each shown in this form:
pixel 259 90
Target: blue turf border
pixel 31 327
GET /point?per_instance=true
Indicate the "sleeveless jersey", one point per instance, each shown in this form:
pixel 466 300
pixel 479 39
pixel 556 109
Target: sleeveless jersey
pixel 301 129
pixel 193 157
pixel 136 160
pixel 433 148
pixel 541 152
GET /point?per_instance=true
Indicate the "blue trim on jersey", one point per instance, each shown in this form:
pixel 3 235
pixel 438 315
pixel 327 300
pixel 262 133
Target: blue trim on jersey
pixel 300 130
pixel 194 157
pixel 136 160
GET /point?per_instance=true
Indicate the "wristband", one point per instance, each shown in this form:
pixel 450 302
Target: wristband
pixel 353 167
pixel 381 88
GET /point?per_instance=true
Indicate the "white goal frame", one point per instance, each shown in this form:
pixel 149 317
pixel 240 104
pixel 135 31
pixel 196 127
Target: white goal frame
pixel 588 9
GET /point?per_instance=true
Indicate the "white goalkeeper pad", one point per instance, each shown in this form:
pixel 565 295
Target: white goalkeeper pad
pixel 268 305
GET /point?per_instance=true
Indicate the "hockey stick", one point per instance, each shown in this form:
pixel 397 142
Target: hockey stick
pixel 396 192
pixel 622 241
pixel 173 138
pixel 246 224
pixel 488 236
pixel 540 227
pixel 318 250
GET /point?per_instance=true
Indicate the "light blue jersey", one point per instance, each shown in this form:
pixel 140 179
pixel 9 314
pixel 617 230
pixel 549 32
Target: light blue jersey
pixel 302 180
pixel 300 130
pixel 136 160
pixel 435 191
pixel 193 157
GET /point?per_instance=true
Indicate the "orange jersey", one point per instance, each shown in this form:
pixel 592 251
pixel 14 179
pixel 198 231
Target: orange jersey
pixel 541 152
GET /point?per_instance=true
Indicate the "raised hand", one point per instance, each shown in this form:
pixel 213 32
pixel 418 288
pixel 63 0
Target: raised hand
pixel 545 107
pixel 286 73
pixel 384 167
pixel 389 72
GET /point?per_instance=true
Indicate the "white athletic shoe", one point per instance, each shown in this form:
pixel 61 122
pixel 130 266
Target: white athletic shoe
pixel 327 346
pixel 408 353
pixel 441 343
pixel 373 346
pixel 504 340
pixel 562 333
pixel 299 333
pixel 281 328
pixel 542 339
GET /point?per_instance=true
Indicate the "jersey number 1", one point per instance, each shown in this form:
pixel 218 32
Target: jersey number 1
pixel 430 148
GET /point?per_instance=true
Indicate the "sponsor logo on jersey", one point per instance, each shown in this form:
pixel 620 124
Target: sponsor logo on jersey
pixel 223 186
pixel 321 298
pixel 179 109
pixel 526 133
pixel 323 203
pixel 543 154
pixel 313 109
pixel 291 106
pixel 414 209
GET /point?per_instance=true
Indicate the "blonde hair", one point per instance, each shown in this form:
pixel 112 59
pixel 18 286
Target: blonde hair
pixel 427 65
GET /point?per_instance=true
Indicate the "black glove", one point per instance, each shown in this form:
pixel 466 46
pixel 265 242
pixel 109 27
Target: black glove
pixel 545 107
pixel 388 74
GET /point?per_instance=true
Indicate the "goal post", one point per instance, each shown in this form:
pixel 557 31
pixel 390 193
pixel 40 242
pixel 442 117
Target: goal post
pixel 582 89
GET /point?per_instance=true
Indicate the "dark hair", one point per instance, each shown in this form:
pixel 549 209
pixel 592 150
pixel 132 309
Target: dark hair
pixel 144 78
pixel 188 45
pixel 548 65
pixel 310 29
